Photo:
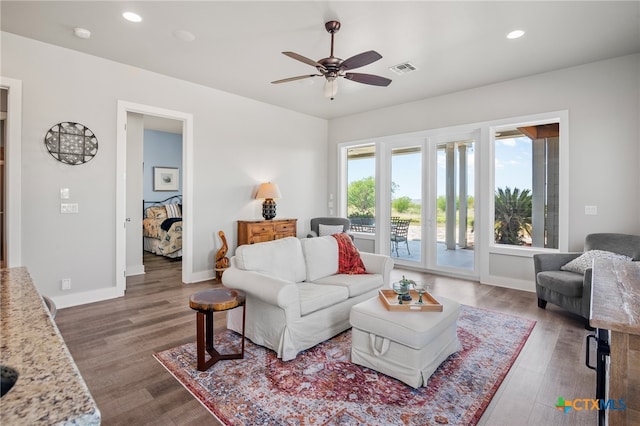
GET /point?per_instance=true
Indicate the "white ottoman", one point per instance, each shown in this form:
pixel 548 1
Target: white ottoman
pixel 408 346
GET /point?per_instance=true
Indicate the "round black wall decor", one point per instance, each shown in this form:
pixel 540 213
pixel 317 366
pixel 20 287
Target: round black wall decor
pixel 71 143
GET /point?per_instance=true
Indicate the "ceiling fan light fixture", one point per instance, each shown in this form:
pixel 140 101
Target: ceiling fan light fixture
pixel 333 67
pixel 331 87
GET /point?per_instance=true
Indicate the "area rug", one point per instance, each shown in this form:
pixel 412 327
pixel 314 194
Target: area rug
pixel 322 387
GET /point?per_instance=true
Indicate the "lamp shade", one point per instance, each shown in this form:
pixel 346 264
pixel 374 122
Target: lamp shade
pixel 268 190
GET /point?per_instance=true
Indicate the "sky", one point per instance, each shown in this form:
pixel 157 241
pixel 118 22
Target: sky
pixel 512 169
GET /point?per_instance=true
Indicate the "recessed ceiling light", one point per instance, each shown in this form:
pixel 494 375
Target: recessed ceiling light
pixel 132 17
pixel 82 32
pixel 184 35
pixel 515 34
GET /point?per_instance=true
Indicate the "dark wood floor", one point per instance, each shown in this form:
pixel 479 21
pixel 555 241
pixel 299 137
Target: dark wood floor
pixel 113 342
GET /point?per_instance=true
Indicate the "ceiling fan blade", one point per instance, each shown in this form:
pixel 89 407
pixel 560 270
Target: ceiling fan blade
pixel 360 60
pixel 306 60
pixel 374 80
pixel 300 77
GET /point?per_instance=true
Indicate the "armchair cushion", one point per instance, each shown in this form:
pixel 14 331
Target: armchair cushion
pixel 580 264
pixel 563 282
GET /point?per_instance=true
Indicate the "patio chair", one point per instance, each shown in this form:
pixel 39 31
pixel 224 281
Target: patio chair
pixel 399 233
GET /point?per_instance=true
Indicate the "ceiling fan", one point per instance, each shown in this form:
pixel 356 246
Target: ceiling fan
pixel 332 68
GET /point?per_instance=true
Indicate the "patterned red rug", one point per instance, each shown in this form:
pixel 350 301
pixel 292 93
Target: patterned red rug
pixel 322 387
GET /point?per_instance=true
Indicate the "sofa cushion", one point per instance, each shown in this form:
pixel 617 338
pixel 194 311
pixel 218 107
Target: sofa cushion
pixel 314 297
pixel 356 284
pixel 580 264
pixel 279 258
pixel 320 257
pixel 564 282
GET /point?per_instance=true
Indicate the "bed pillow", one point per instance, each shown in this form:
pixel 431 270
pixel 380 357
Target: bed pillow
pixel 580 264
pixel 325 230
pixel 173 210
pixel 156 212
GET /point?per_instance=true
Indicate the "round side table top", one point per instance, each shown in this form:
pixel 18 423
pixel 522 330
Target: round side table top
pixel 216 299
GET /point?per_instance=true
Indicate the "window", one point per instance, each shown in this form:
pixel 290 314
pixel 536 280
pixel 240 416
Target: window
pixel 526 185
pixel 361 188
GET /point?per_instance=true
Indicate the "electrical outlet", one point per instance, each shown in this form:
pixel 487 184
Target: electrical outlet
pixel 591 210
pixel 65 283
pixel 68 208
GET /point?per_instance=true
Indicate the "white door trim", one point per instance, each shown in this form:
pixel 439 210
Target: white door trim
pixel 187 186
pixel 13 182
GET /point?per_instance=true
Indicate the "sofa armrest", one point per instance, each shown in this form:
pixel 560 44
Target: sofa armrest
pixel 552 261
pixel 271 290
pixel 378 264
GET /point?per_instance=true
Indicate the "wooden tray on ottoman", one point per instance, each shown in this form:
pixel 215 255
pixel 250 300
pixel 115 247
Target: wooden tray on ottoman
pixel 390 301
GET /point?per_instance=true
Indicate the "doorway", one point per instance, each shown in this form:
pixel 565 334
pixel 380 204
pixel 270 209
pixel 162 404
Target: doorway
pixel 3 223
pixel 124 213
pixel 11 179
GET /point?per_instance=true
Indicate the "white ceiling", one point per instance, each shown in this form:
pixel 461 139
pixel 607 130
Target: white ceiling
pixel 238 45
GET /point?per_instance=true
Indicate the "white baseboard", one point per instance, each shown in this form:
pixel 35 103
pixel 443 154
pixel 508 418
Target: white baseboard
pixel 513 283
pixel 85 297
pixel 197 277
pixel 134 270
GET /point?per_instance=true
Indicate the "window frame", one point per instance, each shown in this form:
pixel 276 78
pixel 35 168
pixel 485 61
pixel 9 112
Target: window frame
pixel 562 118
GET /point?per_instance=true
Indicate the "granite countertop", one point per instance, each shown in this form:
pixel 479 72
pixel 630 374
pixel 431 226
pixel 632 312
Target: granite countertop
pixel 615 296
pixel 50 389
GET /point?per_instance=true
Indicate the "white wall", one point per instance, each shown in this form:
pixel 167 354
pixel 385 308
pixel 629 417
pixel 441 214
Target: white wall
pixel 238 143
pixel 604 135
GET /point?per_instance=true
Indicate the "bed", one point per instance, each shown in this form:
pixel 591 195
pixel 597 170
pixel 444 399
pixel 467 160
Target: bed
pixel 162 227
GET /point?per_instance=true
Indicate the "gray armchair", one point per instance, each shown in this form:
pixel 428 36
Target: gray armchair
pixel 570 290
pixel 332 221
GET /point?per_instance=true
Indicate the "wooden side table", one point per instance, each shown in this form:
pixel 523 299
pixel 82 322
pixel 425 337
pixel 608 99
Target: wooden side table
pixel 206 303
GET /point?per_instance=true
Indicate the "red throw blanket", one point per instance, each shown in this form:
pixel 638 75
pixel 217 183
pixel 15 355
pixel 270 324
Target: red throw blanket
pixel 349 261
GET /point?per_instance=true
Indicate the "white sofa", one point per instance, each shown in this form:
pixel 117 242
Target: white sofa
pixel 295 298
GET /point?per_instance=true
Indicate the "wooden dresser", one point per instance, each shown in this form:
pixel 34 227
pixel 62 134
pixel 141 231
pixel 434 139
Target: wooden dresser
pixel 258 231
pixel 615 301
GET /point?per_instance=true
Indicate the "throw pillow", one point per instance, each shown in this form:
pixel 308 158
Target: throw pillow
pixel 349 261
pixel 324 230
pixel 581 263
pixel 173 211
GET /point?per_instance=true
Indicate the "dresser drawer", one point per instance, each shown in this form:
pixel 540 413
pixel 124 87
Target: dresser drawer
pixel 285 228
pixel 261 229
pixel 260 238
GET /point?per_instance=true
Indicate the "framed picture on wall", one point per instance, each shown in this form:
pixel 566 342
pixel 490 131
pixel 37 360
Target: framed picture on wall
pixel 166 179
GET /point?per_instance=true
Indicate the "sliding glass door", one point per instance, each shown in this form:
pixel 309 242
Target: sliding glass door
pixel 405 224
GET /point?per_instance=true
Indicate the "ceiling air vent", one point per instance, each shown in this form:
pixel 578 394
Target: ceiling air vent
pixel 403 68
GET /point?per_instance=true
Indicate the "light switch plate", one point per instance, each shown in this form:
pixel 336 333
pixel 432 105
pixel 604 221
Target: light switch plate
pixel 64 193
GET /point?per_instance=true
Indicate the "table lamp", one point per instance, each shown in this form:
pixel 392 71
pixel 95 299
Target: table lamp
pixel 268 191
